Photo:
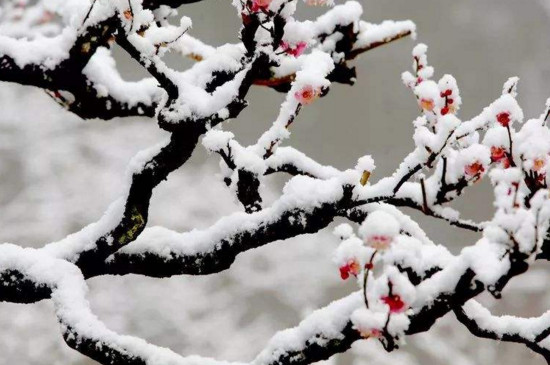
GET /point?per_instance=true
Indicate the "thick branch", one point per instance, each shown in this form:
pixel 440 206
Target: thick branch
pixel 160 252
pixel 481 323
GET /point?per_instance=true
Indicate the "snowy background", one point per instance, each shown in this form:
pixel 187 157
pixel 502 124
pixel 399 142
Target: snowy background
pixel 59 173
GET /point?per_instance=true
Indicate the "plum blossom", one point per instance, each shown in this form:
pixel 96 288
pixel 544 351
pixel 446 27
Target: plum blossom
pixel 427 93
pixel 395 303
pixel 351 267
pixel 474 170
pixel 538 164
pixel 128 14
pixel 370 333
pixel 260 5
pixel 307 95
pixel 503 119
pixel 296 50
pixel 379 230
pixel 427 104
pixel 499 155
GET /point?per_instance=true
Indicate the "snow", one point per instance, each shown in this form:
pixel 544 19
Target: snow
pixel 344 14
pixel 328 322
pixel 216 140
pixel 300 192
pixel 344 231
pixel 410 252
pixel 365 163
pixel 291 156
pixel 527 328
pixel 73 310
pixel 497 137
pixel 101 71
pixel 485 260
pixel 315 68
pixel 370 34
pixel 379 223
pixel 71 246
pixel 46 51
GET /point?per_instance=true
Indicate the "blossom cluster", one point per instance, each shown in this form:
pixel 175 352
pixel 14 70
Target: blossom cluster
pixel 387 295
pixel 388 262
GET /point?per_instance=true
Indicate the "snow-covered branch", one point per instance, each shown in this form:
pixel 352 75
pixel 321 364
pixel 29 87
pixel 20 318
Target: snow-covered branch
pixel 532 332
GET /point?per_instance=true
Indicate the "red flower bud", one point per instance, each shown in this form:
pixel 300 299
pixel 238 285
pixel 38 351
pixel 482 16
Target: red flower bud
pixel 503 119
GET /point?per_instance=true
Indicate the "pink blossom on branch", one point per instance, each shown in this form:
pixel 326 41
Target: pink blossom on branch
pixel 474 170
pixel 295 50
pixel 307 95
pixel 395 303
pixel 260 5
pixel 351 267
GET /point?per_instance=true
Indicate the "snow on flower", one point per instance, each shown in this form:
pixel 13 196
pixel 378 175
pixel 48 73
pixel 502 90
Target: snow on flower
pixel 506 110
pixel 368 323
pixel 497 140
pixel 379 229
pixel 294 50
pixel 427 93
pixel 399 284
pixel 498 154
pixel 472 161
pixel 450 94
pixel 343 231
pixel 350 256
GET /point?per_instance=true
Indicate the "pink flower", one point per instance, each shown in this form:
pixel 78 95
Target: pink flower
pixel 46 17
pixel 474 169
pixel 128 14
pixel 351 267
pixel 427 104
pixel 374 333
pixel 258 5
pixel 396 304
pixel 498 154
pixel 503 119
pixel 538 164
pixel 307 95
pixel 295 51
pixel 379 242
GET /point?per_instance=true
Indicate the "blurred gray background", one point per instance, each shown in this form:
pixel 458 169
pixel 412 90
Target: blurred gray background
pixel 59 173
